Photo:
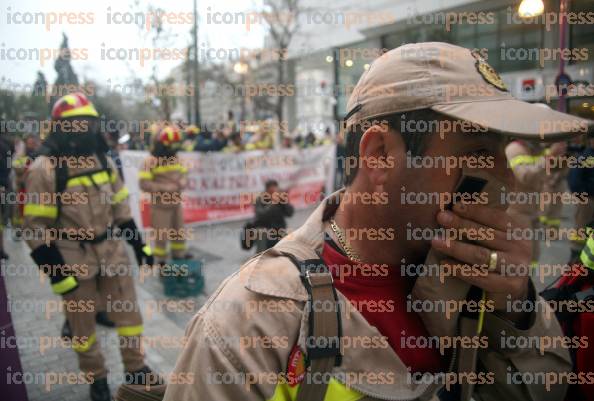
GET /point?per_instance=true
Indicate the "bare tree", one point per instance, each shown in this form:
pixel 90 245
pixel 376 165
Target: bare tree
pixel 159 36
pixel 282 20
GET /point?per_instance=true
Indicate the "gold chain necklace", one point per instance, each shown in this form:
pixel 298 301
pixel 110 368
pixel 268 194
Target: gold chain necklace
pixel 347 249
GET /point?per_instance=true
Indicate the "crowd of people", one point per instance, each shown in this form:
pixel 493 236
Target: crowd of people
pixel 233 137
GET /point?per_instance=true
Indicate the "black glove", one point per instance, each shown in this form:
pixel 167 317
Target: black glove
pixel 132 235
pixel 50 261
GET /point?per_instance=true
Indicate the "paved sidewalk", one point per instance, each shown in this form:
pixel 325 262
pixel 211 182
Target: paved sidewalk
pixel 217 244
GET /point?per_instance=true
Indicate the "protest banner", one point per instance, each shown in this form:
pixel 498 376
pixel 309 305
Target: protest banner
pixel 223 186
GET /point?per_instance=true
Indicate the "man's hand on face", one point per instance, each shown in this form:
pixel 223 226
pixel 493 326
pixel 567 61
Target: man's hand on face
pixel 510 278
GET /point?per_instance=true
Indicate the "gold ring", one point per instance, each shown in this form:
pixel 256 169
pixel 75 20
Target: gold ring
pixel 493 261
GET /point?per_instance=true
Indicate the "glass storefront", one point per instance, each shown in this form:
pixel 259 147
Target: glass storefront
pixel 314 75
pixel 494 37
pixel 351 62
pixel 511 42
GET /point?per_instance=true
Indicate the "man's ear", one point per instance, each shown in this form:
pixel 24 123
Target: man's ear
pixel 377 145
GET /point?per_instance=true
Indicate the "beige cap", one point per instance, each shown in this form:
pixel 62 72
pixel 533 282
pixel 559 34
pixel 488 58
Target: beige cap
pixel 457 82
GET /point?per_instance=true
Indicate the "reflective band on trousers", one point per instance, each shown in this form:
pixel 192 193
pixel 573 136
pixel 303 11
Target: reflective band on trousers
pixel 119 196
pixel 84 346
pixel 336 391
pixel 587 255
pixel 158 251
pixel 36 210
pixel 129 331
pixel 178 246
pixel 100 178
pixel 64 286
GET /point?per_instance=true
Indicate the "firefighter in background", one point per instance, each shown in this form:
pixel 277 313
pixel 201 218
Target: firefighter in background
pixel 528 163
pixel 234 145
pixel 191 133
pixel 77 192
pixel 581 181
pixel 20 165
pixel 164 178
pixel 263 138
pixel 554 183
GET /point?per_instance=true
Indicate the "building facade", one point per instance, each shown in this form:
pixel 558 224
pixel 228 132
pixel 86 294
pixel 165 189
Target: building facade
pixel 338 41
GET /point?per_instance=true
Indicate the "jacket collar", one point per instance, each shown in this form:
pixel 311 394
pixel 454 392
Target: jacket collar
pixel 262 272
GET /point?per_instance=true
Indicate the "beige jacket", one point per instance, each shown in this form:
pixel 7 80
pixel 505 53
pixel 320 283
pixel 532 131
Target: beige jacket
pixel 164 178
pixel 240 344
pixel 88 206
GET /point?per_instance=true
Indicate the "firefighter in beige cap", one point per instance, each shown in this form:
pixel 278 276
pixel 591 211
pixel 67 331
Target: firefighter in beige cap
pixel 78 207
pixel 288 325
pixel 164 177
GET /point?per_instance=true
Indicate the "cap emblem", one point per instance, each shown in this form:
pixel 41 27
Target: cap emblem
pixel 487 72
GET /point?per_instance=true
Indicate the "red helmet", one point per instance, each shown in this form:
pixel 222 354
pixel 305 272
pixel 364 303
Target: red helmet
pixel 73 105
pixel 170 136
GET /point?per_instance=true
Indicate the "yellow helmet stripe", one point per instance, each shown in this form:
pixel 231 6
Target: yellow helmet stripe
pixel 88 110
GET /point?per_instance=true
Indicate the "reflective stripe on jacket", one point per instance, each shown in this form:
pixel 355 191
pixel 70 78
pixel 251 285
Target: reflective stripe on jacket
pixel 92 201
pixel 164 179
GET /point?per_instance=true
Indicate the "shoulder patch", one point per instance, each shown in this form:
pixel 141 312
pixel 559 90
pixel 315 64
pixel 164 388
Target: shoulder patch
pixel 296 366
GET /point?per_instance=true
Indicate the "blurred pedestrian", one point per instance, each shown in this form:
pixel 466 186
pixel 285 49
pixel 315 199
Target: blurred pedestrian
pixel 206 142
pixel 310 140
pixel 191 135
pixel 272 209
pixel 234 144
pixel 231 124
pixel 327 139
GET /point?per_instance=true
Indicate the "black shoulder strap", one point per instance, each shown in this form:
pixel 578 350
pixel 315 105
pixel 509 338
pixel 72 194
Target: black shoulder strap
pixel 325 328
pixel 61 182
pixel 103 161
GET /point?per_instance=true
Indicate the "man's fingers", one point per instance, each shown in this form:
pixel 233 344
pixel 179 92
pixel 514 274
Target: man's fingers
pixel 485 215
pixel 473 231
pixel 462 251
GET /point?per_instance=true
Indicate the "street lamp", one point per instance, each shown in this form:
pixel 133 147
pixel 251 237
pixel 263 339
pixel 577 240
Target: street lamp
pixel 240 68
pixel 533 8
pixel 530 8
